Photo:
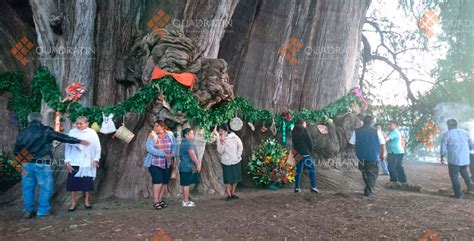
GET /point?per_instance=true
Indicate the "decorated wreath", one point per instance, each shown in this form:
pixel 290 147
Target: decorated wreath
pixel 268 165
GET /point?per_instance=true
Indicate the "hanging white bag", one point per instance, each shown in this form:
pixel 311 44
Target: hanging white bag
pixel 108 125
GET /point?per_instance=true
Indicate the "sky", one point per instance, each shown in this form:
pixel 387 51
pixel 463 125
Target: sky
pixel 417 64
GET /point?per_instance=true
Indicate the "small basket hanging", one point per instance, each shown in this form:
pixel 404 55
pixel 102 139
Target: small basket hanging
pixel 124 134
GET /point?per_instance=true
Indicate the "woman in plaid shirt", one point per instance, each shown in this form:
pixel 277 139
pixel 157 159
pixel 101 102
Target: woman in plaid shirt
pixel 162 148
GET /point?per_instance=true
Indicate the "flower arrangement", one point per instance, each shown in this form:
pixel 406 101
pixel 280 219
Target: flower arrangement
pixel 268 165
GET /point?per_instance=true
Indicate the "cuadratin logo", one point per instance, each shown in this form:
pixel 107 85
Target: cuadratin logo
pixel 161 236
pixel 21 159
pixel 427 22
pixel 158 22
pixel 429 236
pixel 289 49
pixel 21 49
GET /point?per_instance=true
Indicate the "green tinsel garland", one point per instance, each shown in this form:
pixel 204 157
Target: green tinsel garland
pixel 43 87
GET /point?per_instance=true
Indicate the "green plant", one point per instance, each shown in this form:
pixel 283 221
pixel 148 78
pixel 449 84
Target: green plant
pixel 268 165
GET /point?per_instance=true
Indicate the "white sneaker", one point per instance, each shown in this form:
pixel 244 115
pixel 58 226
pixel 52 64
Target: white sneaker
pixel 188 204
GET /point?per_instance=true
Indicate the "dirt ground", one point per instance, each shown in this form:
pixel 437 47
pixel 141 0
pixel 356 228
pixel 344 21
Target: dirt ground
pixel 268 215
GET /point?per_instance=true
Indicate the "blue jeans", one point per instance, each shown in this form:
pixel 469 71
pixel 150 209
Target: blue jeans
pixel 308 162
pixel 41 175
pixel 454 171
pixel 395 168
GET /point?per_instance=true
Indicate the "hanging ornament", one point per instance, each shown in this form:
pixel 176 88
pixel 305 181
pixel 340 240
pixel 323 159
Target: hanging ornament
pixel 95 126
pixel 108 125
pixel 288 116
pixel 273 128
pixel 252 127
pixel 160 98
pixel 327 120
pixel 74 92
pixel 57 121
pixel 283 132
pixel 323 129
pixel 236 124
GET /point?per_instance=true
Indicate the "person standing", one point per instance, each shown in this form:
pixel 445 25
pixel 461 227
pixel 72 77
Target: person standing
pixel 82 162
pixel 189 166
pixel 383 165
pixel 37 140
pixel 303 146
pixel 455 145
pixel 161 148
pixel 370 149
pixel 395 155
pixel 170 134
pixel 230 148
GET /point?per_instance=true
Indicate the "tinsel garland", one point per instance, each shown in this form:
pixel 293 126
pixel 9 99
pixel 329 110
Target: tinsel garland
pixel 44 87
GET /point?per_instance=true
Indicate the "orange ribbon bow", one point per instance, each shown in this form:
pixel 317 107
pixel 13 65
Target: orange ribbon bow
pixel 186 79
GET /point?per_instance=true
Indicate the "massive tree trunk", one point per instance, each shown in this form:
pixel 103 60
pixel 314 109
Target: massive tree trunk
pixel 325 67
pixel 247 34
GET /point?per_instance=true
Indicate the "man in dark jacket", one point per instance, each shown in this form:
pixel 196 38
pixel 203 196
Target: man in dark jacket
pixel 303 146
pixel 34 148
pixel 370 149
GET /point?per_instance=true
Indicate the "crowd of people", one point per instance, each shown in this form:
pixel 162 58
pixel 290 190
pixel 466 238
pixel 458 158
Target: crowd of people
pixel 371 146
pixel 83 150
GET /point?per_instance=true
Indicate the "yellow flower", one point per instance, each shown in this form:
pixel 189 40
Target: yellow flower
pixel 291 178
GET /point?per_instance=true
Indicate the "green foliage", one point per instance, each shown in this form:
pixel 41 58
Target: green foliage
pixel 180 98
pixel 457 22
pixel 21 103
pixel 268 165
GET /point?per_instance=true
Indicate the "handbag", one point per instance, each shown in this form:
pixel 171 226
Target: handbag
pixel 293 157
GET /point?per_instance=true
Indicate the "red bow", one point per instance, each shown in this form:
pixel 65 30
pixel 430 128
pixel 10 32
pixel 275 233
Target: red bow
pixel 186 79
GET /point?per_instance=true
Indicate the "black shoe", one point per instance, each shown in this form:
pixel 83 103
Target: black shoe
pixel 368 195
pixel 88 206
pixel 157 206
pixel 297 190
pixel 229 198
pixel 72 209
pixel 234 196
pixel 163 204
pixel 28 215
pixel 315 190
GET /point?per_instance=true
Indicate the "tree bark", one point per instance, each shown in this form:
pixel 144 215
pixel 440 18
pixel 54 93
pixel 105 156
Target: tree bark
pixel 257 29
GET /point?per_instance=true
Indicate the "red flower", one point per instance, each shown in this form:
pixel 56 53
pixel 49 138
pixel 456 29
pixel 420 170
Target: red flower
pixel 287 116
